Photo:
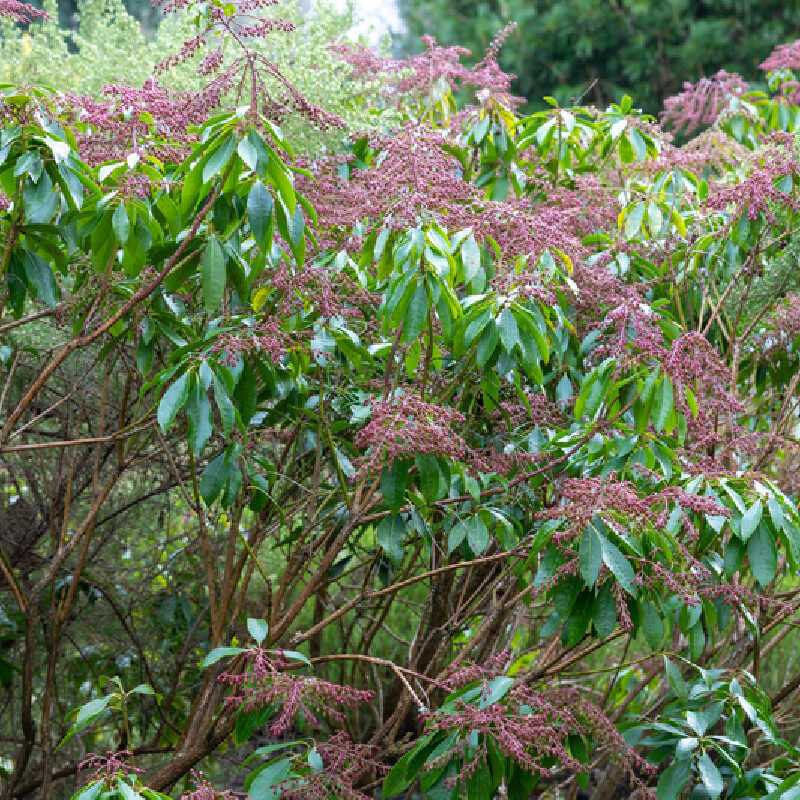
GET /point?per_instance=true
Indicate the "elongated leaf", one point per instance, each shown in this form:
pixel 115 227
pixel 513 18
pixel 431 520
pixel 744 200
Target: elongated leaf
pixel 620 566
pixel 218 653
pixel 259 212
pixel 672 780
pixel 172 402
pixel 710 775
pixel 40 278
pixel 750 520
pixel 121 223
pixel 590 554
pixel 762 554
pixel 416 313
pixel 212 274
pixel 264 785
pixel 391 533
pixel 219 158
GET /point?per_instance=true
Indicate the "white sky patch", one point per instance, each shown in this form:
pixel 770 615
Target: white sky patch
pixel 375 18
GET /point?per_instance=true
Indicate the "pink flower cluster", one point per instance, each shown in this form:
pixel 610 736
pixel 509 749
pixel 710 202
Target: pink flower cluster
pixel 345 764
pixel 406 426
pixel 108 766
pixel 694 363
pixel 532 727
pixel 418 74
pixel 417 180
pixel 21 13
pixel 701 103
pixel 758 194
pixel 148 119
pixel 263 682
pixel 203 790
pixel 784 56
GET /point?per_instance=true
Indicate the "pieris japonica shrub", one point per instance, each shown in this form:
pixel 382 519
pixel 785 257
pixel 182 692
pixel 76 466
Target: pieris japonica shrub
pixel 458 463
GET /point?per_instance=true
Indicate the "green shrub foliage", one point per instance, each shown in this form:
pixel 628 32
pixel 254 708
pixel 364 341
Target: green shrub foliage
pixel 458 462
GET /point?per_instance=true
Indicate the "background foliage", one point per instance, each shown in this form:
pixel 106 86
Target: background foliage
pixel 644 48
pixel 453 459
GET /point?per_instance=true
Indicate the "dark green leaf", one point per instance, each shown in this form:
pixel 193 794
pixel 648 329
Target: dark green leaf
pixel 212 274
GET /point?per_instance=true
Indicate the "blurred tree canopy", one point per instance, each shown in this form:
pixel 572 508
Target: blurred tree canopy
pixel 646 48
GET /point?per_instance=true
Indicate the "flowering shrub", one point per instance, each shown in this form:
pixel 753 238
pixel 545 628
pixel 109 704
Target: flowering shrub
pixel 443 465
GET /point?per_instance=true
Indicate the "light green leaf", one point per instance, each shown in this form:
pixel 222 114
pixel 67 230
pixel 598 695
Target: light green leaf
pixel 750 520
pixel 218 653
pixel 172 401
pixel 672 780
pixel 258 629
pixel 709 774
pixel 264 785
pixel 762 555
pixel 619 566
pixel 121 223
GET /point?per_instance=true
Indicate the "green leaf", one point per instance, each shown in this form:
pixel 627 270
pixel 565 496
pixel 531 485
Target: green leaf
pixel 391 533
pixel 604 611
pixel 709 774
pixel 663 404
pixel 675 679
pixel 258 629
pixel 416 313
pixel 259 212
pixel 471 258
pixel 219 158
pixel 652 625
pixel 90 792
pixel 477 535
pixel 315 760
pixel 702 721
pixel 590 554
pixel 394 479
pixel 509 330
pixel 87 714
pixel 487 344
pixel 248 153
pixel 619 566
pixel 218 653
pixel 296 655
pixel 762 554
pixel 750 520
pixel 634 216
pixel 672 780
pixel 127 791
pixel 495 690
pixel 264 784
pixel 214 478
pixel 227 413
pixel 172 401
pixel 198 413
pixel 39 277
pixel 247 723
pixel 121 223
pixel 212 274
pixel 403 773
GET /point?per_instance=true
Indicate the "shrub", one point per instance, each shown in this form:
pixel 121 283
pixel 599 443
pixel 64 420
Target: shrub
pixel 457 464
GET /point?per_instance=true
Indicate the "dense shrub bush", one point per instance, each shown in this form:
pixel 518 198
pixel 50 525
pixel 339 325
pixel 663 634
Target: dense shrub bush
pixel 458 463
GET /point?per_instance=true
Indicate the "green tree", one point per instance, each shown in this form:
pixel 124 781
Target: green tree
pixel 568 48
